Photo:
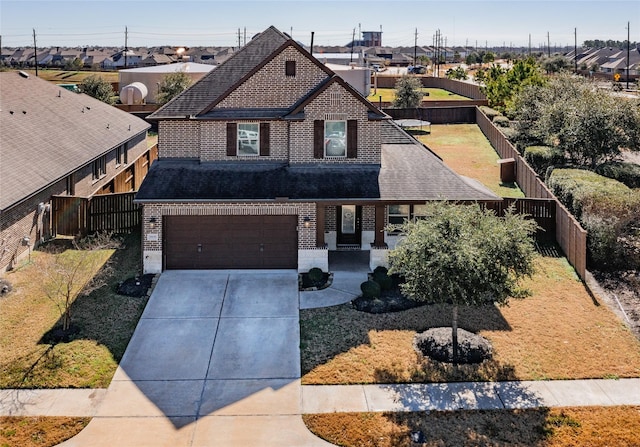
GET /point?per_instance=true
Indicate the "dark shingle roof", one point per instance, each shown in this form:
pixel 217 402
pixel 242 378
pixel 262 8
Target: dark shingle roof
pixel 48 132
pixel 170 180
pixel 212 86
pixel 409 172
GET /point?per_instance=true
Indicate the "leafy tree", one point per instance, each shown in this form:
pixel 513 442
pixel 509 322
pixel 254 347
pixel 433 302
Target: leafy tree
pixel 80 271
pixel 488 57
pixel 97 87
pixel 502 85
pixel 172 85
pixel 556 64
pixel 456 73
pixel 472 58
pixel 464 255
pixel 74 64
pixel 408 93
pixel 589 125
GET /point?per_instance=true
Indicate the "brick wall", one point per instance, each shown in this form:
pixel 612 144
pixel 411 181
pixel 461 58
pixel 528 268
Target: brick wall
pixel 368 218
pixel 336 103
pixel 269 87
pixel 213 142
pixel 25 219
pixel 178 138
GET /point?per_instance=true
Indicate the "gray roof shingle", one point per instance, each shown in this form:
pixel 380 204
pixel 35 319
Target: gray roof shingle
pixel 48 132
pixel 212 86
pixel 409 172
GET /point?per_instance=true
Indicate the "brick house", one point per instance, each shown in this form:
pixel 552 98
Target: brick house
pixel 56 142
pixel 272 160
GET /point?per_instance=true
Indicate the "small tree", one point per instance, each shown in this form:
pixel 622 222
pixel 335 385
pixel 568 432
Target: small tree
pixel 172 85
pixel 97 87
pixel 70 273
pixel 456 73
pixel 464 255
pixel 408 93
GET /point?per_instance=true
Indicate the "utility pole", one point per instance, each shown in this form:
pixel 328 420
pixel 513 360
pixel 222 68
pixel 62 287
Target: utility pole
pixel 353 42
pixel 415 48
pixel 311 49
pixel 529 44
pixel 239 43
pixel 548 45
pixel 126 45
pixel 245 36
pixel 628 50
pixel 575 50
pixel 35 51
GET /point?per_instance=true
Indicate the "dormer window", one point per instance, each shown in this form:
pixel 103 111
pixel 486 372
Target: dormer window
pixel 290 68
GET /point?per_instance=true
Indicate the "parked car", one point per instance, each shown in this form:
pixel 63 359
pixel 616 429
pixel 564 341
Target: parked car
pixel 418 69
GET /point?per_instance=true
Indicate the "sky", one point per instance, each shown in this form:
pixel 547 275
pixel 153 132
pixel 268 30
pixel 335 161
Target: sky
pixel 216 22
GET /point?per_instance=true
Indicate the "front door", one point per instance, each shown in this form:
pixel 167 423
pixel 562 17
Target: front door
pixel 349 225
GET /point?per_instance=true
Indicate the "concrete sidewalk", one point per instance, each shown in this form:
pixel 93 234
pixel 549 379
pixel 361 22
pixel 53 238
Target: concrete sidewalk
pixel 469 396
pixel 372 398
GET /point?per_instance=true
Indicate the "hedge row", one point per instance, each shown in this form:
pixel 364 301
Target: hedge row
pixel 541 158
pixel 627 173
pixel 609 211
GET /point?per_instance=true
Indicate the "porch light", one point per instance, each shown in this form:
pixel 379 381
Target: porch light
pixel 307 221
pixel 152 222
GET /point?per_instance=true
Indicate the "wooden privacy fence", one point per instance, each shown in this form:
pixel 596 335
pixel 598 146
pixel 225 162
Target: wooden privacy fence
pixel 442 115
pixel 461 88
pixel 570 235
pixel 82 215
pixel 543 211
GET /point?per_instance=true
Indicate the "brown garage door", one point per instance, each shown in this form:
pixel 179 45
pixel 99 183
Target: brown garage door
pixel 230 242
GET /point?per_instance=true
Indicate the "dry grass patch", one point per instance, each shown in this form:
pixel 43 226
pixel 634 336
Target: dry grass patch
pixel 465 149
pixel 38 431
pixel 105 322
pixel 558 333
pixel 72 77
pixel 566 427
pixel 434 94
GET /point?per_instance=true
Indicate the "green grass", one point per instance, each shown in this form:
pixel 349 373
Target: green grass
pixel 105 322
pixel 465 149
pixel 435 94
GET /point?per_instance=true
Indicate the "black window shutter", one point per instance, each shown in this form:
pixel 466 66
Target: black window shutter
pixel 290 68
pixel 264 139
pixel 318 139
pixel 352 139
pixel 232 139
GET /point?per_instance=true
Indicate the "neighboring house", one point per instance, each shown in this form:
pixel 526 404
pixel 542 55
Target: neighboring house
pixel 151 77
pixel 154 59
pixel 55 142
pixel 271 160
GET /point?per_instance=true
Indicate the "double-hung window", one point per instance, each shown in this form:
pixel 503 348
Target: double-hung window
pixel 335 138
pixel 248 139
pixel 398 214
pixel 100 168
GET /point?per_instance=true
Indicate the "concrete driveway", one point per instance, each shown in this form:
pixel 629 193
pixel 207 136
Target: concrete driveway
pixel 214 361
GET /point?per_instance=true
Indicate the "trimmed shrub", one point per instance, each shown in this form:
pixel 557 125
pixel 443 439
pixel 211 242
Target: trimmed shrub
pixel 384 280
pixel 627 173
pixel 577 188
pixel 540 158
pixel 501 121
pixel 315 275
pixel 491 113
pixel 608 210
pixel 370 289
pixel 381 269
pixel 437 344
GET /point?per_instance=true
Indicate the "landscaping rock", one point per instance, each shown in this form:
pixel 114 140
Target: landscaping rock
pixel 5 287
pixel 436 344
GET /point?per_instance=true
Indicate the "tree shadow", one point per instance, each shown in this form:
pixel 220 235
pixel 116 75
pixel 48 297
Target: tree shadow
pixel 328 332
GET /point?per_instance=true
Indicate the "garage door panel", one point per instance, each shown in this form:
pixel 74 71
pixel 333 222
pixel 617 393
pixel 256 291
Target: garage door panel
pixel 230 242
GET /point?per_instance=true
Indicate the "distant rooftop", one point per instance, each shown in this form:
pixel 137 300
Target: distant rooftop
pixel 187 67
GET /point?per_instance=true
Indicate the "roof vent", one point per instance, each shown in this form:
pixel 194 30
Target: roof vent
pixel 23 74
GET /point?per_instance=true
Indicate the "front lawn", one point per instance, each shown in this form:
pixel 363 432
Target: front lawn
pixel 465 149
pixel 430 94
pixel 543 427
pixel 558 333
pixel 105 321
pixel 38 431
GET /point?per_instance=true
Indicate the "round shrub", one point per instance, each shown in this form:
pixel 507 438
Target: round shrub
pixel 437 344
pixel 501 121
pixel 370 289
pixel 381 269
pixel 489 112
pixel 627 173
pixel 540 158
pixel 384 280
pixel 315 275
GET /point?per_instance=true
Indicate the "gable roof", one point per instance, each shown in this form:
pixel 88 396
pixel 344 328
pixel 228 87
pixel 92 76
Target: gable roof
pixel 211 87
pixel 204 95
pixel 49 132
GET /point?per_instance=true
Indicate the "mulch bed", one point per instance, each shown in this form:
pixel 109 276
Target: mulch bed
pixel 390 301
pixel 136 286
